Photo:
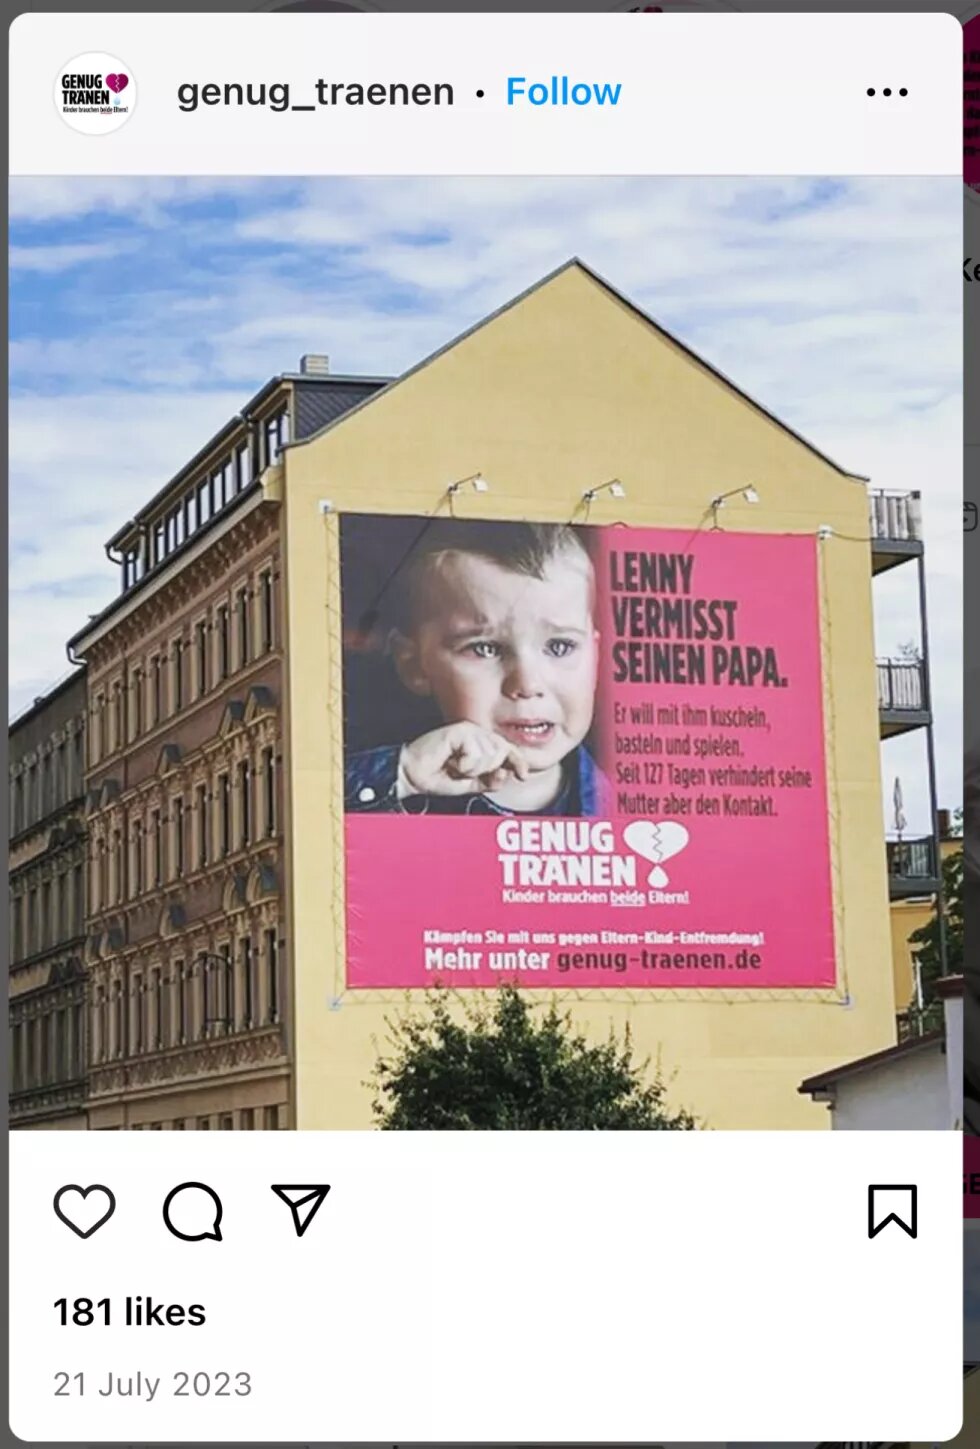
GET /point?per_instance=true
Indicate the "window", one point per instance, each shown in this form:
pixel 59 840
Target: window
pixel 156 823
pixel 28 1029
pixel 180 976
pixel 137 881
pixel 137 1022
pixel 62 894
pixel 265 593
pixel 17 804
pixel 117 717
pixel 156 989
pixel 98 741
pixel 32 939
pixel 17 927
pixel 226 1122
pixel 137 688
pixel 171 530
pixel 201 652
pixel 177 811
pixel 156 676
pixel 177 1125
pixel 224 653
pixel 203 501
pixel 204 1124
pixel 245 796
pixel 224 806
pixel 247 1119
pixel 243 471
pixel 270 1118
pixel 41 1025
pixel 203 825
pixel 178 663
pixel 77 901
pixel 244 642
pixel 46 933
pixel 228 988
pixel 117 1018
pixel 102 1024
pixel 248 1015
pixel 103 874
pixel 117 865
pixel 131 566
pixel 188 514
pixel 77 1040
pixel 271 976
pixel 61 791
pixel 276 435
pixel 269 790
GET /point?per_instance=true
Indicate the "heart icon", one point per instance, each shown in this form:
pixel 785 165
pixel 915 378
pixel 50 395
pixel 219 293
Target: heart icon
pixel 656 840
pixel 84 1209
pixel 116 82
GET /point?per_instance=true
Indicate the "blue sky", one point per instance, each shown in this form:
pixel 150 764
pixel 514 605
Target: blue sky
pixel 144 312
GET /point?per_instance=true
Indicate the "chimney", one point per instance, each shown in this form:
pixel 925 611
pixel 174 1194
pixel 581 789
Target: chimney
pixel 944 824
pixel 314 364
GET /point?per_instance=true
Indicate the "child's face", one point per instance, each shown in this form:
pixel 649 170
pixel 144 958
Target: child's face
pixel 512 653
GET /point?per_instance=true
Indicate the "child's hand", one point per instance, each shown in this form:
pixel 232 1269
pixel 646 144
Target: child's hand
pixel 458 759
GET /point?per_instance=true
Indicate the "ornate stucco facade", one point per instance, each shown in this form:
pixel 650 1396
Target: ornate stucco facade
pixel 186 946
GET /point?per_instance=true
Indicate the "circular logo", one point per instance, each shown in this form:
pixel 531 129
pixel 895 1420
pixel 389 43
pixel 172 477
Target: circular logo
pixel 95 93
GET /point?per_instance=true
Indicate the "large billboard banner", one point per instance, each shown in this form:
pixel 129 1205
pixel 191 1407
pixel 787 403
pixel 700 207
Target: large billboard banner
pixel 583 757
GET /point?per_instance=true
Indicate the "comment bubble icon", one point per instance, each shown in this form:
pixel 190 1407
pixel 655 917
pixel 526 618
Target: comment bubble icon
pixel 192 1212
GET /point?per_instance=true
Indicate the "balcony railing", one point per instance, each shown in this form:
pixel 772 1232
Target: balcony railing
pixel 901 684
pixel 912 861
pixel 896 517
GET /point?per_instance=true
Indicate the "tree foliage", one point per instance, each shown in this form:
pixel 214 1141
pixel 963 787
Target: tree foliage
pixel 502 1064
pixel 926 940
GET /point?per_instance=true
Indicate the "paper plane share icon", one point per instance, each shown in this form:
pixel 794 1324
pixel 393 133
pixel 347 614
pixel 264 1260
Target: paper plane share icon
pixel 304 1201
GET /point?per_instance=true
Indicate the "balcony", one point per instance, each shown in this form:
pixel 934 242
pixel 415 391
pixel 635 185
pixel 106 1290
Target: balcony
pixel 901 696
pixel 895 525
pixel 912 867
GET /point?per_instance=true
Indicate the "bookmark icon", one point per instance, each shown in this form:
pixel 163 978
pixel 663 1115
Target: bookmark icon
pixel 304 1202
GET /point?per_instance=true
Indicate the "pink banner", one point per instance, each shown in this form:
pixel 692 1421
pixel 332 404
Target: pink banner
pixel 971 1176
pixel 620 777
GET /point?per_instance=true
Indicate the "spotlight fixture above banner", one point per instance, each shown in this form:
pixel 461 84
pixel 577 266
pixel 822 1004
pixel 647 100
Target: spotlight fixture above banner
pixel 616 490
pixel 747 493
pixel 476 481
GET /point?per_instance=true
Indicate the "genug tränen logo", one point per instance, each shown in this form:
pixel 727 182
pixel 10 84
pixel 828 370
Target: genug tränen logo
pixel 95 93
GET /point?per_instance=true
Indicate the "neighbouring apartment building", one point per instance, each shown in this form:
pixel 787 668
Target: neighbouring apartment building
pixel 187 951
pixel 47 910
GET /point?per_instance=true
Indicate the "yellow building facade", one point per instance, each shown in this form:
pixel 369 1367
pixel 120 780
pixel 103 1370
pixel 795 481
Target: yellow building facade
pixel 562 389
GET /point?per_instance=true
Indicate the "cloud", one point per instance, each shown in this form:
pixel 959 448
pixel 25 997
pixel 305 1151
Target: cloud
pixel 833 302
pixel 61 258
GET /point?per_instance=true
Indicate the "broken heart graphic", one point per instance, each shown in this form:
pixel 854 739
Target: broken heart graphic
pixel 117 81
pixel 656 840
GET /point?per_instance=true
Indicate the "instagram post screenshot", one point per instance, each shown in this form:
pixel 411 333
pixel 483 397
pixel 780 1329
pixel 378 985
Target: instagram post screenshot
pixel 486 524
